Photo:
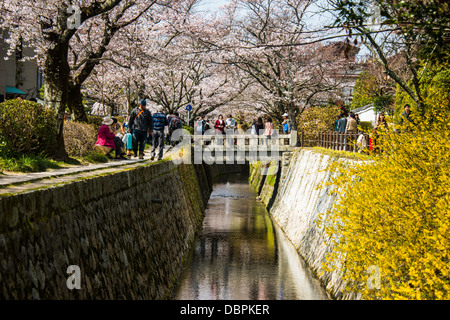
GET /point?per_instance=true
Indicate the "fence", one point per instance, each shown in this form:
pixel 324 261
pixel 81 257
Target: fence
pixel 283 140
pixel 328 140
pixel 334 140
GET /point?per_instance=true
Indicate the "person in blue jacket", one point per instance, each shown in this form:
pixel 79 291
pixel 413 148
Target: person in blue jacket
pixel 159 122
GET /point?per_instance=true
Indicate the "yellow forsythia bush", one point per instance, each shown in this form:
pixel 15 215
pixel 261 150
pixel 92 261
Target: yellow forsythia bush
pixel 393 215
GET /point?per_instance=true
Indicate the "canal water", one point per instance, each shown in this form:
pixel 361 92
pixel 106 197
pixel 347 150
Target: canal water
pixel 241 254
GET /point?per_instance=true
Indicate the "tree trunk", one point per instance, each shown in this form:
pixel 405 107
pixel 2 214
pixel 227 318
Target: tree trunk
pixel 75 103
pixel 56 90
pixel 292 117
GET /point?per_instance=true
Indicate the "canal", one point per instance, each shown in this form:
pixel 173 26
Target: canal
pixel 241 254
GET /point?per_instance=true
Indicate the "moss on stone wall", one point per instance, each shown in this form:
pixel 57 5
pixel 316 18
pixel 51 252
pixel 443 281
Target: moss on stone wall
pixel 128 231
pixel 263 178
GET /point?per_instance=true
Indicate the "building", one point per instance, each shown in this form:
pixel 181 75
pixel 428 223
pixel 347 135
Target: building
pixel 351 68
pixel 366 113
pixel 18 78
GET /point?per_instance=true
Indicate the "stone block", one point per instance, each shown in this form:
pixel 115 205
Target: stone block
pixel 108 225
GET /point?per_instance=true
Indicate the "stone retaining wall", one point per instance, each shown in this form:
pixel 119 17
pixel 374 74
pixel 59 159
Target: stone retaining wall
pixel 128 232
pixel 295 203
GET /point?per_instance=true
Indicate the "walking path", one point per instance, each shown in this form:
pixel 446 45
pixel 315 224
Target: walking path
pixel 22 182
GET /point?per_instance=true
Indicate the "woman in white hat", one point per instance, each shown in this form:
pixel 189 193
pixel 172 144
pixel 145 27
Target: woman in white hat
pixel 105 138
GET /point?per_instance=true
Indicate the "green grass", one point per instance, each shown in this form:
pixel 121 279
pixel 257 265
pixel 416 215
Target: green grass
pixel 343 154
pixel 95 157
pixel 39 163
pixel 27 163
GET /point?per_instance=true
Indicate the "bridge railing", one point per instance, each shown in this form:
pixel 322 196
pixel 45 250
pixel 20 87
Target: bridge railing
pixel 335 140
pixel 328 140
pixel 237 139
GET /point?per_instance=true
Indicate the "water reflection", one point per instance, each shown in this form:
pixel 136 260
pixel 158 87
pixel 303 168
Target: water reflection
pixel 241 255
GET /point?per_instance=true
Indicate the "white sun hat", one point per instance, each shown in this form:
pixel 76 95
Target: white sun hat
pixel 108 121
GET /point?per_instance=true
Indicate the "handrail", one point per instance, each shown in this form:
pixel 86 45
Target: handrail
pixel 244 139
pixel 329 140
pixel 342 141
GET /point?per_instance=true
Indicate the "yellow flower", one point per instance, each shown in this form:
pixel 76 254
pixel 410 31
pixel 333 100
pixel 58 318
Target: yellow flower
pixel 394 212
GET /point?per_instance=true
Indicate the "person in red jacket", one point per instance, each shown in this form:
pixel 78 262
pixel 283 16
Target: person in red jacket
pixel 220 128
pixel 105 138
pixel 220 125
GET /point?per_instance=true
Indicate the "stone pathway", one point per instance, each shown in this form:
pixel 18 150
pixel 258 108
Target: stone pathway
pixel 22 182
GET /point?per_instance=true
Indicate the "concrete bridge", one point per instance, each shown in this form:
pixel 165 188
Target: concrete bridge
pixel 236 148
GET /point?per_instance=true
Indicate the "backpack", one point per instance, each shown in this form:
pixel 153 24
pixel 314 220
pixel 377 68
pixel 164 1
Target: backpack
pixel 175 123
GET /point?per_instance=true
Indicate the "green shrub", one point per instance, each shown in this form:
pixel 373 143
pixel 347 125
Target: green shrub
pixel 26 128
pixel 96 121
pixel 188 128
pixel 392 213
pixel 384 103
pixel 121 120
pixel 366 125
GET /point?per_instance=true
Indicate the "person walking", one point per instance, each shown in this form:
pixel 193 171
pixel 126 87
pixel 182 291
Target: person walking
pixel 170 116
pixel 381 128
pixel 139 125
pixel 287 126
pixel 128 143
pixel 200 125
pixel 230 124
pixel 219 125
pixel 253 129
pixel 268 131
pixel 268 128
pixel 350 131
pixel 352 124
pixel 342 124
pixel 336 122
pixel 159 122
pixel 175 123
pixel 381 123
pixel 207 125
pixel 120 153
pixel 259 126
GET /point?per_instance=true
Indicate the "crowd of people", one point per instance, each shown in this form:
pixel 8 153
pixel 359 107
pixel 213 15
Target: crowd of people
pixel 142 127
pixel 230 125
pixel 349 123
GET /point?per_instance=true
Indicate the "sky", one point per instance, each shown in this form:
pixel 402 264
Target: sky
pixel 315 18
pixel 212 5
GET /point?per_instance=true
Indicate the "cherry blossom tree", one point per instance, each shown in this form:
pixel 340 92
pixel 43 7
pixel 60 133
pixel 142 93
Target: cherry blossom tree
pixel 48 26
pixel 269 41
pixel 93 43
pixel 193 79
pixel 54 28
pixel 167 65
